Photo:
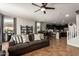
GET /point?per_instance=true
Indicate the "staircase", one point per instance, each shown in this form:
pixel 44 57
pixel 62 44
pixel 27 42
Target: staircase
pixel 72 36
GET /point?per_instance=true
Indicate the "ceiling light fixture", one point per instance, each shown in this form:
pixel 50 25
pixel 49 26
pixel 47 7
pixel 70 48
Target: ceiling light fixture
pixel 67 15
pixel 43 9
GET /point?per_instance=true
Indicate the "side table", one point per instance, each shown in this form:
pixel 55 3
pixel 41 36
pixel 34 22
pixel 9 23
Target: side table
pixel 5 46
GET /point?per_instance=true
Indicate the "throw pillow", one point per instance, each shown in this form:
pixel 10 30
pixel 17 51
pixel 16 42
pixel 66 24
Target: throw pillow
pixel 41 36
pixel 37 37
pixel 16 39
pixel 13 38
pixel 25 38
pixel 20 39
pixel 31 37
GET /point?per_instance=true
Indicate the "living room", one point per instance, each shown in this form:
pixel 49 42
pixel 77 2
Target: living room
pixel 39 29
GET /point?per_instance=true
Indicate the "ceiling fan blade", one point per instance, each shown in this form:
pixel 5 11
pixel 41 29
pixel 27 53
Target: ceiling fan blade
pixel 44 4
pixel 44 12
pixel 49 8
pixel 37 10
pixel 35 4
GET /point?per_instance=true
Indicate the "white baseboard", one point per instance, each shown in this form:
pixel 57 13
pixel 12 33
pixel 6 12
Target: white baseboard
pixel 73 44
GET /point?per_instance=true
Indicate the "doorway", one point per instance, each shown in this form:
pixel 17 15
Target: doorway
pixel 9 27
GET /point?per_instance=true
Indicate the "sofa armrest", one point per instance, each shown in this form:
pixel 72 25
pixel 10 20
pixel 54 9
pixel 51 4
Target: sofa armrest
pixel 11 43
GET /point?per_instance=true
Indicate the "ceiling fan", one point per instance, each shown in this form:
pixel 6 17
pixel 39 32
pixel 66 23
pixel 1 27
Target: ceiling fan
pixel 43 7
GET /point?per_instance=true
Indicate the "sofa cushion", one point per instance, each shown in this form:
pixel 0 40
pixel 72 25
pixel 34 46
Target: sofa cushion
pixel 18 46
pixel 37 42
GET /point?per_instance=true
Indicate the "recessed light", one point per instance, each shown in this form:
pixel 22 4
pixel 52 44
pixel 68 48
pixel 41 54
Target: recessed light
pixel 67 15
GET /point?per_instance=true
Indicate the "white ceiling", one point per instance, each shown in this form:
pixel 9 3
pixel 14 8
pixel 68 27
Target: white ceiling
pixel 26 10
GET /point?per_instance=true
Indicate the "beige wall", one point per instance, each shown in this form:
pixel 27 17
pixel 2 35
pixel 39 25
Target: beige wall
pixel 28 22
pixel 0 28
pixel 77 23
pixel 24 22
pixel 44 26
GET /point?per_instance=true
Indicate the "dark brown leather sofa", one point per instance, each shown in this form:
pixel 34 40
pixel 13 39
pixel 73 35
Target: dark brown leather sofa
pixel 23 48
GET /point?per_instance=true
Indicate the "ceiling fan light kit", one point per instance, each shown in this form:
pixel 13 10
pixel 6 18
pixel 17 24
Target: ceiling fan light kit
pixel 43 7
